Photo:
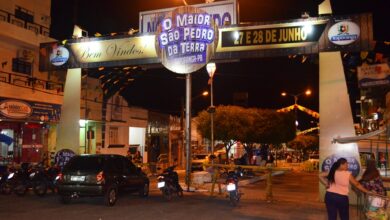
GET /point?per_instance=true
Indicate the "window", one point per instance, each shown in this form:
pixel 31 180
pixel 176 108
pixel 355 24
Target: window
pixel 113 135
pixel 24 14
pixel 20 66
pixel 85 164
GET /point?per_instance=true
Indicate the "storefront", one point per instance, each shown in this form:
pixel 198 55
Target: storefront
pixel 29 125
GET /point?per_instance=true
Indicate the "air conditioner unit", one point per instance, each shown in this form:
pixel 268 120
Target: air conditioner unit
pixel 45 18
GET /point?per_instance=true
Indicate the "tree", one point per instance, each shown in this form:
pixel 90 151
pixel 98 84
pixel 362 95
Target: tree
pixel 230 125
pixel 250 126
pixel 268 126
pixel 304 143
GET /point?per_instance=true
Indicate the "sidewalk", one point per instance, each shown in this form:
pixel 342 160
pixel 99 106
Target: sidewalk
pixel 295 196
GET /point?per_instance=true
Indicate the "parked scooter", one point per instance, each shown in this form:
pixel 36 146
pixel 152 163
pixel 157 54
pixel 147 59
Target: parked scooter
pixel 6 181
pixel 232 185
pixel 168 183
pixel 30 178
pixel 3 179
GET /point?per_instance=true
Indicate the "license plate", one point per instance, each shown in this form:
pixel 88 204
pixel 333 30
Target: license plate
pixel 77 178
pixel 160 184
pixel 231 187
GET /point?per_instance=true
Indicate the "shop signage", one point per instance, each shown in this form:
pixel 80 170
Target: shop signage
pixel 186 39
pixel 223 12
pixel 15 109
pixel 103 50
pixel 59 56
pixel 344 33
pixel 31 111
pixel 284 35
pixel 374 75
pixel 63 156
pixel 353 164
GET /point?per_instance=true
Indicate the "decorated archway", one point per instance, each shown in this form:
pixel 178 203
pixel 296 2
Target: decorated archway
pixel 325 35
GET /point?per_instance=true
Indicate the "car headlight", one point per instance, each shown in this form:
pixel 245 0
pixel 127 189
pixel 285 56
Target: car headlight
pixel 10 175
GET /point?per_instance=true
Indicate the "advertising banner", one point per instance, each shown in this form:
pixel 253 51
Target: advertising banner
pixel 29 111
pixel 283 35
pixel 223 13
pixel 374 75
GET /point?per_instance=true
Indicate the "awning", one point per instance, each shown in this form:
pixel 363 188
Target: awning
pixel 346 140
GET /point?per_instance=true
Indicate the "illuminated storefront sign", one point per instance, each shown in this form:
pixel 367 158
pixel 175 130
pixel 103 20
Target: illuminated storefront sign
pixel 15 109
pixel 31 111
pixel 223 13
pixel 271 36
pixel 186 39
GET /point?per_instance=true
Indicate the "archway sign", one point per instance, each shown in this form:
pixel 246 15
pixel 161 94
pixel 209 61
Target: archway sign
pixel 185 42
pixel 186 39
pixel 181 45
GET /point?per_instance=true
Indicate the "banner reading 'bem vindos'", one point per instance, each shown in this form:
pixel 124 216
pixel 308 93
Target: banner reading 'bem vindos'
pixel 186 39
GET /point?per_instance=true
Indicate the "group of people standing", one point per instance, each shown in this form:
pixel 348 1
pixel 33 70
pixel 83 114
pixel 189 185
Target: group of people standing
pixel 337 182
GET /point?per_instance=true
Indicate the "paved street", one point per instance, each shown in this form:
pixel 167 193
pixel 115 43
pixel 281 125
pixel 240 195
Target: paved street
pixel 295 195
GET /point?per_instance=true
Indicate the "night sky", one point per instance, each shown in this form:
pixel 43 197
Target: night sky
pixel 263 79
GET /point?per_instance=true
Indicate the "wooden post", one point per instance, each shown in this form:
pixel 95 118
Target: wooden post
pixel 269 196
pixel 215 177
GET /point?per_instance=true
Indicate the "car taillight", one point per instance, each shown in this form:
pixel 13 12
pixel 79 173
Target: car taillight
pixel 100 177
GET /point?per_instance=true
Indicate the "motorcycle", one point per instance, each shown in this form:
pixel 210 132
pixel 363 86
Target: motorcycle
pixel 168 183
pixel 232 185
pixel 52 177
pixel 31 177
pixel 9 181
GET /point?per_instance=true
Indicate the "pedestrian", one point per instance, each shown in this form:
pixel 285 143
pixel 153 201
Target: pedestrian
pixel 137 157
pixel 337 183
pixel 371 179
pixel 129 156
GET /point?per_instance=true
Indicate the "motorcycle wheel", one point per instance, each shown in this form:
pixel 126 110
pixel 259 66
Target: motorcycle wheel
pixel 144 191
pixel 234 198
pixel 167 194
pixel 40 188
pixel 6 188
pixel 180 193
pixel 20 189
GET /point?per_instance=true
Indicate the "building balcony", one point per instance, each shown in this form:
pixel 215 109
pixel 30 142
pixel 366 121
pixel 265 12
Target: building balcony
pixel 21 31
pixel 30 88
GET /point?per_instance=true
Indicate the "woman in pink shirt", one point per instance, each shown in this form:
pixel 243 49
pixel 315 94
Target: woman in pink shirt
pixel 337 184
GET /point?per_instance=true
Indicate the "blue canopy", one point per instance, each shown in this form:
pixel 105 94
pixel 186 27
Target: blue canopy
pixel 6 139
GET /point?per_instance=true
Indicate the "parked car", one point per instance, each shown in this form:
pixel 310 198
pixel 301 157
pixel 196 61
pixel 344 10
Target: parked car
pixel 101 175
pixel 198 160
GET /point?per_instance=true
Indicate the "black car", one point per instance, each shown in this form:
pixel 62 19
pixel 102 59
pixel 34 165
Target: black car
pixel 101 175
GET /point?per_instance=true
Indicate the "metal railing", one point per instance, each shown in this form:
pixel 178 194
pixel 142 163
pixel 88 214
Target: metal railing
pixel 34 27
pixel 31 82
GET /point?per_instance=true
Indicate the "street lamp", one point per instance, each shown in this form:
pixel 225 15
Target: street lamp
pixel 211 68
pixel 307 93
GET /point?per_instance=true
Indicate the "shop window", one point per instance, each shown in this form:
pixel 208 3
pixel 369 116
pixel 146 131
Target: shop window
pixel 113 135
pixel 24 14
pixel 20 66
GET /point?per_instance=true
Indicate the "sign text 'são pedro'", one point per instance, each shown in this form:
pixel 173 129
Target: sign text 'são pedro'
pixel 115 49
